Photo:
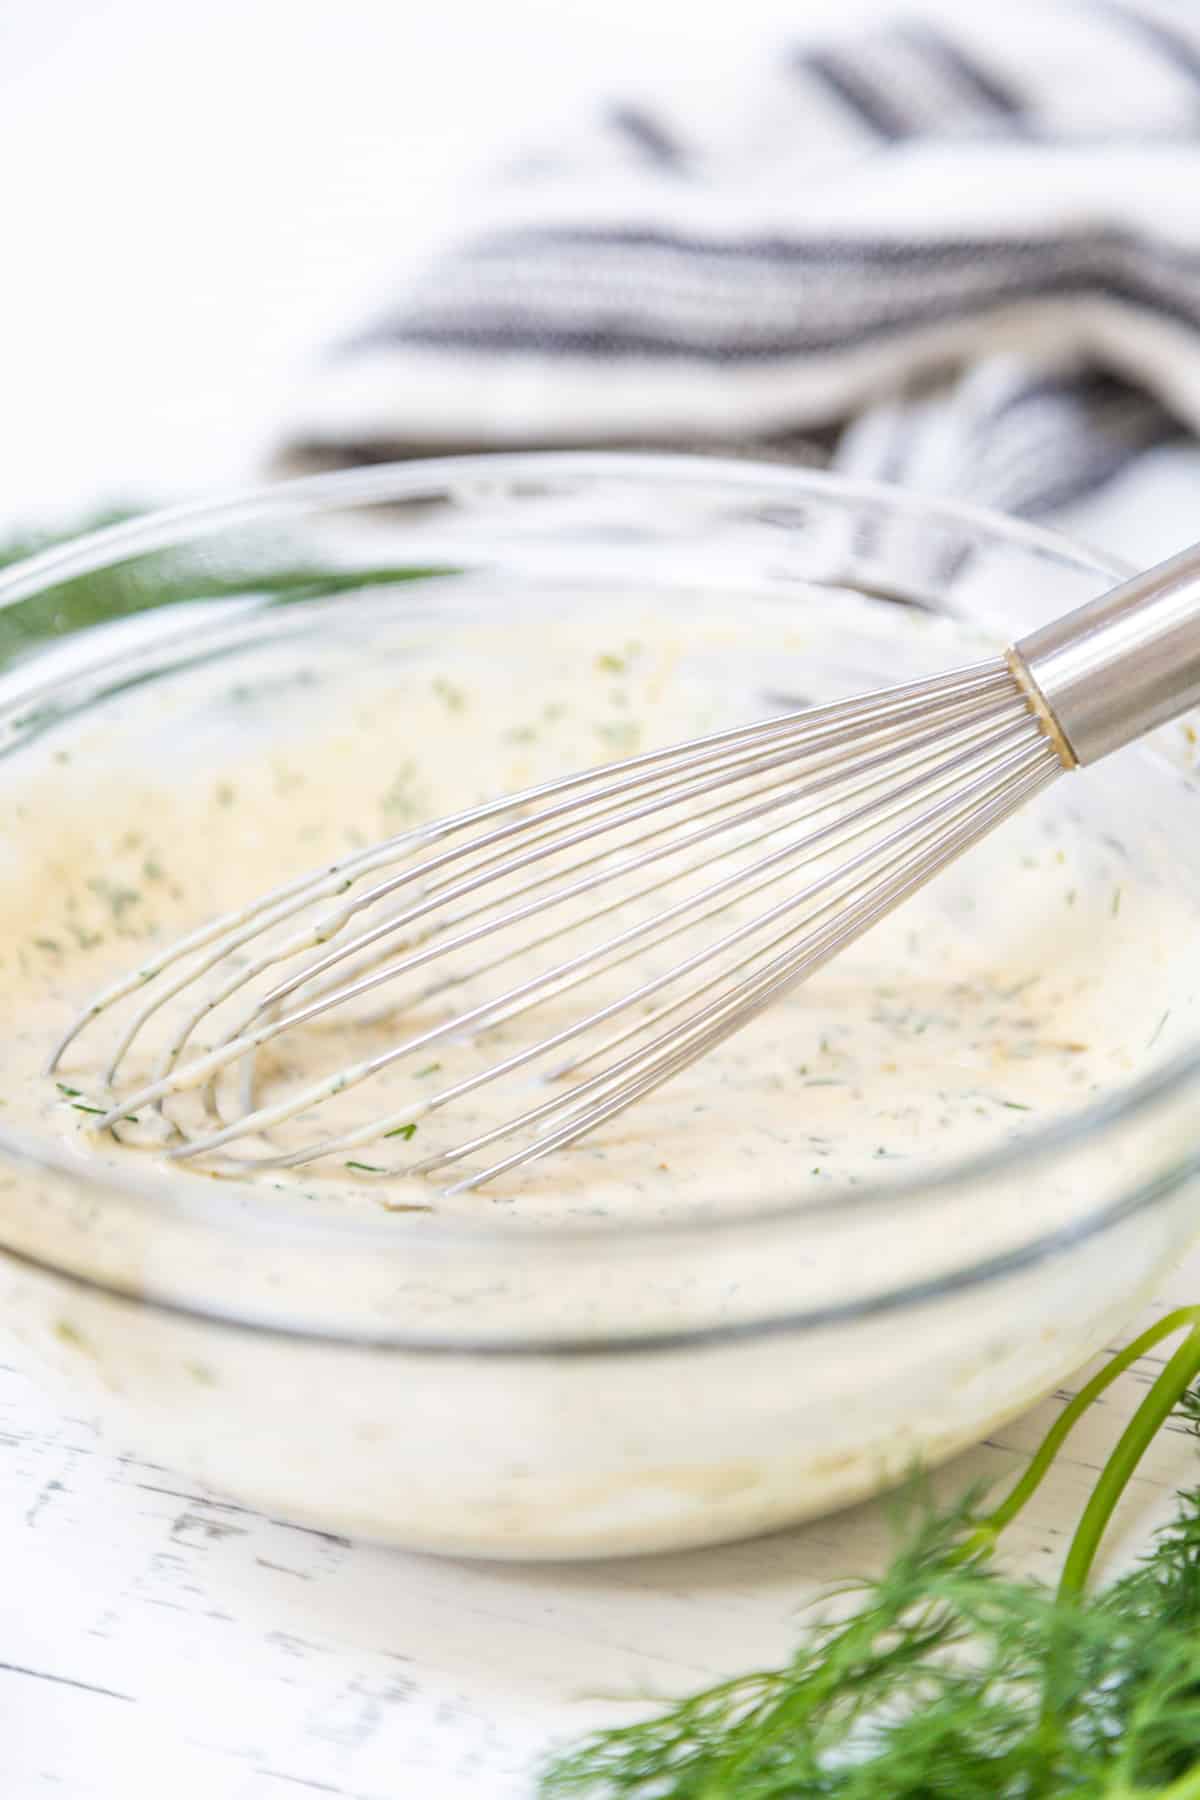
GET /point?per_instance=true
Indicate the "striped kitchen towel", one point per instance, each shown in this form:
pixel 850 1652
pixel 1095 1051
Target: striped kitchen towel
pixel 961 251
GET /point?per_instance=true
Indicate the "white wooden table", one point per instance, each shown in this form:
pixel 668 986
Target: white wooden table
pixel 196 197
pixel 159 1643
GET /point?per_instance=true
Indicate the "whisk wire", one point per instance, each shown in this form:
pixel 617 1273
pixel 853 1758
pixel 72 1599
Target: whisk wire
pixel 734 1012
pixel 562 885
pixel 554 981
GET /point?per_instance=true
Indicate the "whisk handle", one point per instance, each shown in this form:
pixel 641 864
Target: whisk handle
pixel 1125 662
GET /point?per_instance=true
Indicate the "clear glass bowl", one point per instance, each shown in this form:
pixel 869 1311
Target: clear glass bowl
pixel 552 1402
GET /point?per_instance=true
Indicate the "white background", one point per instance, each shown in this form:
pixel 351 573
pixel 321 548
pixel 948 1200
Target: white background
pixel 195 197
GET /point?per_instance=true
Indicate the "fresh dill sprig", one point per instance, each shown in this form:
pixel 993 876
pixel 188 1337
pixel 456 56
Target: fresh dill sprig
pixel 166 578
pixel 951 1681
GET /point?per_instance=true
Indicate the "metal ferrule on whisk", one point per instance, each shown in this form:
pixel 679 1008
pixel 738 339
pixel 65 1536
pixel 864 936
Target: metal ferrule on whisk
pixel 1120 665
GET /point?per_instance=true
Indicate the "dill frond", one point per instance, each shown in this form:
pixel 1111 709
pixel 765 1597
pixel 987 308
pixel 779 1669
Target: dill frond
pixel 953 1681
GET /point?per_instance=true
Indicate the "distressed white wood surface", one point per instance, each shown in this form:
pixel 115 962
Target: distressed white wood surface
pixel 160 1643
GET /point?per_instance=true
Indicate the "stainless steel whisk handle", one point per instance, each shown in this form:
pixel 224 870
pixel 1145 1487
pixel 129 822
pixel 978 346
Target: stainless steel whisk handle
pixel 1128 661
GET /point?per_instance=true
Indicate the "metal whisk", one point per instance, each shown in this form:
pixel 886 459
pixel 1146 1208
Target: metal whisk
pixel 730 867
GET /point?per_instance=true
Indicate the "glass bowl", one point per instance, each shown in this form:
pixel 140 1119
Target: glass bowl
pixel 495 1385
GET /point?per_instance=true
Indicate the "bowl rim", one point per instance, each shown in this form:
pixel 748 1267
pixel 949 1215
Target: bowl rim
pixel 1048 1246
pixel 378 483
pixel 276 502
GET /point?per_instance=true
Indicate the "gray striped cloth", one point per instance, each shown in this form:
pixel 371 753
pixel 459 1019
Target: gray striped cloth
pixel 961 251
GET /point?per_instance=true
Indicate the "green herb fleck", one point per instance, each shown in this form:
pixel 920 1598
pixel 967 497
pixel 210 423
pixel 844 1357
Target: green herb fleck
pixel 623 735
pixel 449 693
pixel 72 1095
pixel 86 940
pixel 402 799
pixel 367 1168
pixel 402 1131
pixel 429 1069
pixel 116 897
pixel 1116 902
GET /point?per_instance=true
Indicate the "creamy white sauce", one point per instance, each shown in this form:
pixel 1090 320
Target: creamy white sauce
pixel 1038 975
pixel 1026 982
